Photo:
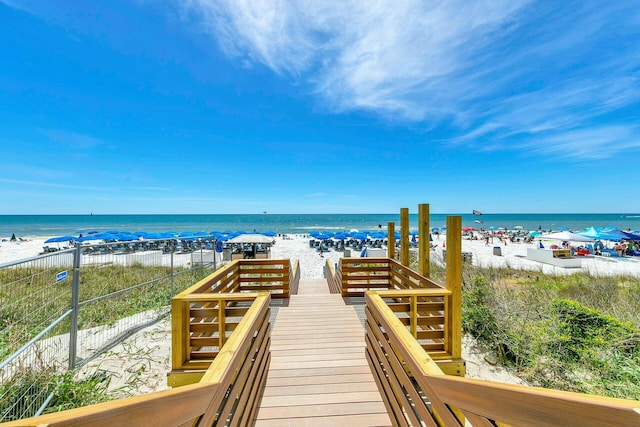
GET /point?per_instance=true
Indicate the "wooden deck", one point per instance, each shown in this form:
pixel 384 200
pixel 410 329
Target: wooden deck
pixel 319 375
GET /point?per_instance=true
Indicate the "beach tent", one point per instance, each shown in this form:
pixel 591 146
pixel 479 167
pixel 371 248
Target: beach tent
pixel 592 232
pixel 250 238
pixel 615 234
pixel 568 236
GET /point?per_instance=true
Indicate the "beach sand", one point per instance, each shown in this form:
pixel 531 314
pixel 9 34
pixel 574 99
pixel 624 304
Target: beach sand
pixel 140 364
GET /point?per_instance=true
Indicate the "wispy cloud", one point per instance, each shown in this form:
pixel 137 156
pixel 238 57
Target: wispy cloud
pixel 490 71
pixel 81 187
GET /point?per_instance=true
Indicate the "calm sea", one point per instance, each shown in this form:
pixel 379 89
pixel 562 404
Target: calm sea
pixel 55 225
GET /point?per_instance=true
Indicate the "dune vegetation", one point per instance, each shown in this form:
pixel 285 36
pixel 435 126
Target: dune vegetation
pixel 576 333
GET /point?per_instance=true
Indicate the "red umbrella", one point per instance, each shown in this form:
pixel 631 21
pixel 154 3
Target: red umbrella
pixel 468 229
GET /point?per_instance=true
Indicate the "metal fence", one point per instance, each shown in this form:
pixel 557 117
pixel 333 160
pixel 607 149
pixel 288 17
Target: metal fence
pixel 60 310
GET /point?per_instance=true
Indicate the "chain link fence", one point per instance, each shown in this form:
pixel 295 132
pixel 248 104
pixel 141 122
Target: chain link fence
pixel 60 310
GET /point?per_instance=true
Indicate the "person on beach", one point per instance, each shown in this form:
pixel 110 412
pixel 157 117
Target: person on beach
pixel 321 255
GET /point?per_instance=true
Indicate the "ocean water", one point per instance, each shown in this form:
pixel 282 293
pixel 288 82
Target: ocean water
pixel 56 225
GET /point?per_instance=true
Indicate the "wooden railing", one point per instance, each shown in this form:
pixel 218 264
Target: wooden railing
pixel 294 280
pixel 228 391
pixel 268 275
pixel 332 278
pixel 358 275
pixel 417 392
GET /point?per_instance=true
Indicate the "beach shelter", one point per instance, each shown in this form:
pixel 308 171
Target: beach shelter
pixel 592 232
pixel 615 234
pixel 60 239
pixel 250 238
pixel 567 236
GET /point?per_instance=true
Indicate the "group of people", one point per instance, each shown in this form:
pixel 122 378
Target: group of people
pixel 623 248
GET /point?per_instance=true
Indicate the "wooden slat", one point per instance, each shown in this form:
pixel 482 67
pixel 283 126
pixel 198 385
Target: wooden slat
pixel 318 373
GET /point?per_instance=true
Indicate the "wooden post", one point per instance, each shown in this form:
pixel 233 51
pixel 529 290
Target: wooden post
pixel 404 236
pixel 424 252
pixel 391 240
pixel 222 324
pixel 453 335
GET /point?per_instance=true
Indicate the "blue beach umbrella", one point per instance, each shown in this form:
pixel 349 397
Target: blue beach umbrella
pixel 359 235
pixel 126 237
pixel 378 235
pixel 87 238
pixel 323 236
pixel 340 235
pixel 269 233
pixel 60 239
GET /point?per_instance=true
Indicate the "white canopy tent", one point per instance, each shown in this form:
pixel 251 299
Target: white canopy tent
pixel 566 236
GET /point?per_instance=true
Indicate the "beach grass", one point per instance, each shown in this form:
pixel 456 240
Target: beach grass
pixel 108 293
pixel 576 333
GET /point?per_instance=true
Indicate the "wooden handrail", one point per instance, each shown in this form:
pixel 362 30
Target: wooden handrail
pixel 228 390
pixel 358 275
pixel 331 277
pixel 270 275
pixel 295 278
pixel 416 391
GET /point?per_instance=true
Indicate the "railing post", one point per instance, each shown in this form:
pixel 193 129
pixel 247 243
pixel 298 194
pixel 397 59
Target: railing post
pixel 75 306
pixel 424 253
pixel 453 338
pixel 404 236
pixel 391 240
pixel 413 312
pixel 222 327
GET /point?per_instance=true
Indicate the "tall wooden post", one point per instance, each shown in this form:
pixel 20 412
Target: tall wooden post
pixel 391 240
pixel 453 339
pixel 404 236
pixel 424 253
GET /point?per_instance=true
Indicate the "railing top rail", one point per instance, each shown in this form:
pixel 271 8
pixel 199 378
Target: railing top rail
pixel 330 265
pixel 36 258
pixel 513 404
pixel 436 292
pixel 217 297
pixel 187 403
pixel 233 267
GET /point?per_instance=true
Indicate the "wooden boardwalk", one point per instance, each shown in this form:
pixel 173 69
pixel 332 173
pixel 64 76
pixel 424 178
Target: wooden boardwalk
pixel 319 375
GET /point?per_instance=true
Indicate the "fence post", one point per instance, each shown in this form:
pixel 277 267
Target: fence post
pixel 75 299
pixel 171 274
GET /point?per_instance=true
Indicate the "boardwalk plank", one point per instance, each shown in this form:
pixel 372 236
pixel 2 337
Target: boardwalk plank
pixel 318 374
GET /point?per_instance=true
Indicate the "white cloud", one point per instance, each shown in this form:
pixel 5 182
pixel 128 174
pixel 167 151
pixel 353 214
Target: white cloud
pixel 489 69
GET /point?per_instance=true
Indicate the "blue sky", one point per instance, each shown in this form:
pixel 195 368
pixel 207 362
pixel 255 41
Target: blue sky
pixel 243 106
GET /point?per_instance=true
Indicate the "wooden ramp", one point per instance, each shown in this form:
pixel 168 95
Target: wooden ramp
pixel 319 375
